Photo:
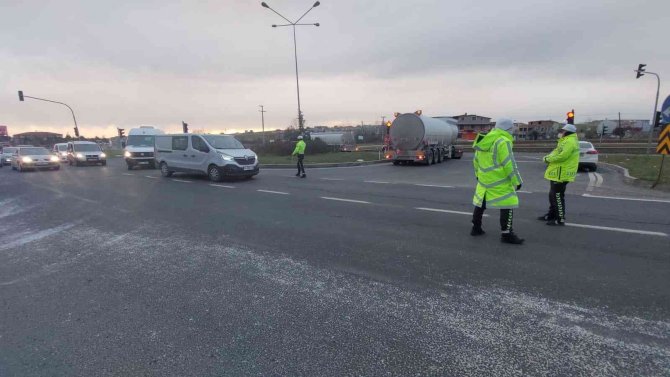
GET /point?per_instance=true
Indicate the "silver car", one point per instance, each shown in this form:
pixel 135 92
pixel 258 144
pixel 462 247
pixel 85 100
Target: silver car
pixel 85 153
pixel 216 156
pixel 7 154
pixel 34 158
pixel 60 150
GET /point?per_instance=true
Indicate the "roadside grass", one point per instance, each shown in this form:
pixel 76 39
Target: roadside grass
pixel 644 167
pixel 322 158
pixel 114 152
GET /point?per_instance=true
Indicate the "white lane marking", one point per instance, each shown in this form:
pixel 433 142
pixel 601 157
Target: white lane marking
pixel 345 200
pixel 128 174
pixel 623 198
pixel 592 180
pixel 224 186
pixel 30 236
pixel 274 192
pixel 150 176
pixel 426 185
pixel 623 230
pixel 181 180
pixel 525 192
pixel 447 211
pixel 599 179
pixel 380 182
pixel 332 179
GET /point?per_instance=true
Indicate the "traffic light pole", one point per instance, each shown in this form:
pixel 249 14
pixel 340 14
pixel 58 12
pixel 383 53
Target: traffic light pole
pixel 60 103
pixel 653 115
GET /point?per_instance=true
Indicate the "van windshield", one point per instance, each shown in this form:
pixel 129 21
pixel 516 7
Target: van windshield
pixel 223 142
pixel 141 140
pixel 86 147
pixel 62 147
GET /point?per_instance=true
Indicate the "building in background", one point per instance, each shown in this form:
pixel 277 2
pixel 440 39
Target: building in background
pixel 538 130
pixel 41 139
pixel 469 125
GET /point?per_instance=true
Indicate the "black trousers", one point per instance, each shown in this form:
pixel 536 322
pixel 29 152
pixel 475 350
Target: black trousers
pixel 557 200
pixel 506 217
pixel 301 165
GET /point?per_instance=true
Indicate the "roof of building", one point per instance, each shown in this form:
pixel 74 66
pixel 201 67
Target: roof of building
pixel 39 134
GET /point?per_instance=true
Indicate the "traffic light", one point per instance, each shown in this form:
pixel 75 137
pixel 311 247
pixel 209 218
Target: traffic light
pixel 640 70
pixel 657 121
pixel 184 126
pixel 76 131
pixel 121 132
pixel 20 95
pixel 571 117
pixel 604 129
pixel 388 126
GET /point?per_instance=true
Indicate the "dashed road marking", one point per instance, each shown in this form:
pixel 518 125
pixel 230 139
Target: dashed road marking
pixel 599 179
pixel 447 211
pixel 427 185
pixel 224 186
pixel 379 182
pixel 525 192
pixel 181 180
pixel 332 179
pixel 592 181
pixel 128 174
pixel 623 230
pixel 274 192
pixel 345 200
pixel 150 176
pixel 624 198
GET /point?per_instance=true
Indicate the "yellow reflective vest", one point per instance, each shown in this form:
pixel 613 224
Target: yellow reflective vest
pixel 299 147
pixel 564 160
pixel 496 170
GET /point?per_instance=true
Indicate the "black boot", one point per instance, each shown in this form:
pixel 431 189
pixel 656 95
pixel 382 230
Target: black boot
pixel 545 218
pixel 303 175
pixel 556 222
pixel 477 231
pixel 298 175
pixel 511 238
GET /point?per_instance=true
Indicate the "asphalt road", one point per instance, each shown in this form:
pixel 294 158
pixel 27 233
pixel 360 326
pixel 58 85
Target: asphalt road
pixel 352 271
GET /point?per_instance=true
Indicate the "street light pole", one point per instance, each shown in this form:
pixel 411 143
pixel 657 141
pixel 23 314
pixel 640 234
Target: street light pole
pixel 76 128
pixel 262 111
pixel 641 72
pixel 295 53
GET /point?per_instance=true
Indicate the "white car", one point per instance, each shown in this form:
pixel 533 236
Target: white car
pixel 34 158
pixel 588 156
pixel 7 154
pixel 60 150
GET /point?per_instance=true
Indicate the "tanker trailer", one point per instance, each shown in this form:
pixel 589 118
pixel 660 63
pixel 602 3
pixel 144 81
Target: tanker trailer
pixel 418 138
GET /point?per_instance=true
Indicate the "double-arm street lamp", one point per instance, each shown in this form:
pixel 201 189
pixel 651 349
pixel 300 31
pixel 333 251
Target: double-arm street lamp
pixel 295 51
pixel 76 128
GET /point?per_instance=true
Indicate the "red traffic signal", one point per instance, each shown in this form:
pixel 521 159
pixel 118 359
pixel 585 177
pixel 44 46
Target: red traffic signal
pixel 571 117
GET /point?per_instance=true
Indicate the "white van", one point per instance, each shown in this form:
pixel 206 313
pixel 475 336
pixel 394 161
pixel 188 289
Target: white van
pixel 216 156
pixel 139 150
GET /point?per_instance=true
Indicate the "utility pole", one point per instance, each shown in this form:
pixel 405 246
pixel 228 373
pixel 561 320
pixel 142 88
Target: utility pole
pixel 641 71
pixel 262 111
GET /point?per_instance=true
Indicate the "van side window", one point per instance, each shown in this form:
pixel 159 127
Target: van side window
pixel 199 144
pixel 179 143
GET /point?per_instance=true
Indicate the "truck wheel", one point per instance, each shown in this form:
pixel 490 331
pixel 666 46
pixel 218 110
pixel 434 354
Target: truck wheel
pixel 440 156
pixel 431 159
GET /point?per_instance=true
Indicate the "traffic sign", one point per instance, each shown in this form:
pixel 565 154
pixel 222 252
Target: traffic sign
pixel 663 146
pixel 665 111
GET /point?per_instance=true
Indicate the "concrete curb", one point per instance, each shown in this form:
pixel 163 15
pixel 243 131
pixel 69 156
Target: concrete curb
pixel 626 176
pixel 323 165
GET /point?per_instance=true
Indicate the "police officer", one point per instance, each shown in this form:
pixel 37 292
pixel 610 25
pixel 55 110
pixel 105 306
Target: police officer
pixel 498 179
pixel 300 152
pixel 561 170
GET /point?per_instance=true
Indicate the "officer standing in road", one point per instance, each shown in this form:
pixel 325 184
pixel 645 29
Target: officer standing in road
pixel 498 179
pixel 300 152
pixel 561 170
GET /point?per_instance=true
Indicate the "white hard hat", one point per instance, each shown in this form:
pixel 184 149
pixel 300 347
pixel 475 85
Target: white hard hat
pixel 299 137
pixel 569 127
pixel 504 124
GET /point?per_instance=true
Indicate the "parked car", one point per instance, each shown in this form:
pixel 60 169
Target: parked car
pixel 7 155
pixel 35 158
pixel 85 153
pixel 216 156
pixel 60 150
pixel 588 156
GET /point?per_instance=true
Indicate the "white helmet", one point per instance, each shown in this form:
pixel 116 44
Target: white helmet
pixel 300 137
pixel 570 128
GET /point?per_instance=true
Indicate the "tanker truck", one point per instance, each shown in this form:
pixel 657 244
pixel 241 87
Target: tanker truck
pixel 416 138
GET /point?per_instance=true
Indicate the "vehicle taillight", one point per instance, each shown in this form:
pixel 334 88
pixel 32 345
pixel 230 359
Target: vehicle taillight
pixel 593 151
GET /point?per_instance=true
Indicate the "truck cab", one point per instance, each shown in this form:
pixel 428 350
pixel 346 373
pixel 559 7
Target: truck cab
pixel 139 150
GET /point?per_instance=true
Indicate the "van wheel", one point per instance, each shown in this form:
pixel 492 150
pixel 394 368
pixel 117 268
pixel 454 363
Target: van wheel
pixel 165 172
pixel 214 173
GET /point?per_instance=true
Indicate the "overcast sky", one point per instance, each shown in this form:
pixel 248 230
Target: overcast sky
pixel 211 63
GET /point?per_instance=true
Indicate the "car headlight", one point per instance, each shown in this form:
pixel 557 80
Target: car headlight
pixel 102 155
pixel 54 159
pixel 27 159
pixel 79 155
pixel 226 157
pixel 63 154
pixel 127 154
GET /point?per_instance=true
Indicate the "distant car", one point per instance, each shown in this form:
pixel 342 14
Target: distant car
pixel 60 150
pixel 85 153
pixel 34 158
pixel 7 155
pixel 588 156
pixel 216 156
